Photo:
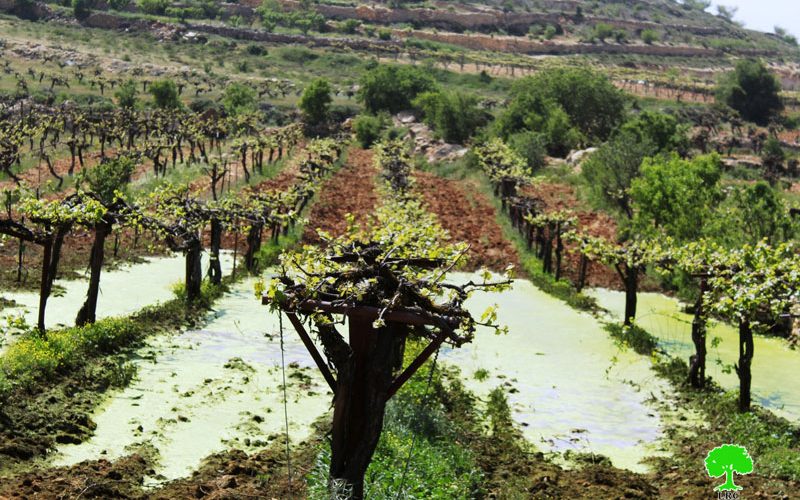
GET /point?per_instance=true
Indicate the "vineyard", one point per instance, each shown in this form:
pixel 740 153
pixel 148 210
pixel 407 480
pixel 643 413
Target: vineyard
pixel 279 250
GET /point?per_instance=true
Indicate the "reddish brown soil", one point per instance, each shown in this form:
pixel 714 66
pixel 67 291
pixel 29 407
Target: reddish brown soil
pixel 351 190
pixel 33 175
pixel 563 197
pixel 469 217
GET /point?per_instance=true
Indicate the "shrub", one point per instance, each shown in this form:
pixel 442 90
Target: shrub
pixel 392 88
pixel 155 7
pixel 239 98
pixel 165 94
pixel 649 36
pixel 531 146
pixel 82 8
pixel 752 90
pixel 119 4
pixel 350 26
pixel 384 34
pixel 368 128
pixel 453 115
pixel 126 95
pixel 256 50
pixel 316 101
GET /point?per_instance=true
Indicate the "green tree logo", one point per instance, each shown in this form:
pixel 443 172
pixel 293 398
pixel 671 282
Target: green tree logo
pixel 727 460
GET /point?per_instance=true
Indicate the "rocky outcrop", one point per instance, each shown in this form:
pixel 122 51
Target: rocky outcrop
pixel 519 45
pixel 425 143
pixel 481 20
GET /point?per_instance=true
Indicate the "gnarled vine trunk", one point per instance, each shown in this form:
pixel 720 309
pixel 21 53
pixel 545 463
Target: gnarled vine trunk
pixel 214 265
pixel 362 390
pixel 253 245
pixel 743 367
pixel 50 259
pixel 697 362
pixel 194 273
pixel 631 276
pixel 88 311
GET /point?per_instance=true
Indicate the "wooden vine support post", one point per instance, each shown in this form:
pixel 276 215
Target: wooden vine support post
pixel 368 376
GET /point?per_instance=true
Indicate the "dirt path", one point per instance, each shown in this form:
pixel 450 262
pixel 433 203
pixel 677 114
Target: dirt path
pixel 351 190
pixel 469 217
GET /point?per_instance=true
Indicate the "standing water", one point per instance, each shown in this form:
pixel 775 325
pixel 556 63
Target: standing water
pixel 123 291
pixel 204 391
pixel 566 391
pixel 773 361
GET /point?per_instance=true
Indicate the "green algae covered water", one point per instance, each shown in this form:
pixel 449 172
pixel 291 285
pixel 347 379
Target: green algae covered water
pixel 123 291
pixel 566 391
pixel 774 364
pixel 209 390
pixel 220 387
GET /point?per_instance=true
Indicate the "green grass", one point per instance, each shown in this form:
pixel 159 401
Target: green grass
pixel 37 357
pixel 439 467
pixel 773 441
pixel 634 337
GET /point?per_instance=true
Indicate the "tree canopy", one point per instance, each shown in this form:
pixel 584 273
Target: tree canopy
pixel 676 197
pixel 752 90
pixel 315 102
pixel 455 116
pixel 567 105
pixel 393 88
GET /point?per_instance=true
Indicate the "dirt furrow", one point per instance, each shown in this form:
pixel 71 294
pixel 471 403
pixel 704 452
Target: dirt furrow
pixel 469 217
pixel 351 190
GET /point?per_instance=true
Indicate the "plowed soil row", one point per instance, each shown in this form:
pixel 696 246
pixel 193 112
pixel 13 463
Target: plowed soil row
pixel 469 217
pixel 563 197
pixel 351 190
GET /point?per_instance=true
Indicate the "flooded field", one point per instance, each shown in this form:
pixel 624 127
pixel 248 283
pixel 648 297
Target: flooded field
pixel 123 291
pixel 571 387
pixel 773 360
pixel 208 390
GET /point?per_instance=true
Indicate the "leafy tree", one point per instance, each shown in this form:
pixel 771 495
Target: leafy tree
pixel 752 91
pixel 239 98
pixel 392 88
pixel 455 116
pixel 602 31
pixel 82 8
pixel 772 158
pixel 610 171
pixel 126 94
pixel 568 106
pixel 155 7
pixel 661 130
pixel 726 460
pixel 756 212
pixel 675 197
pixel 316 101
pixel 165 94
pixel 727 12
pixel 531 146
